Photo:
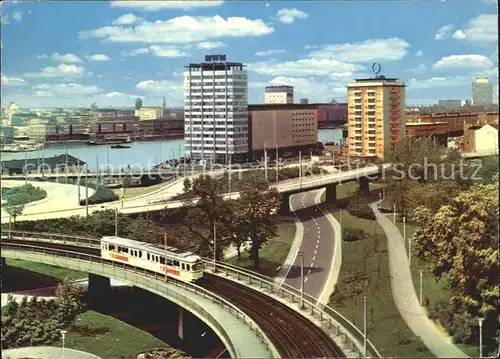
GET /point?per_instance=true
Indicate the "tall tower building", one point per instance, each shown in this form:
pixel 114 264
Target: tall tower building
pixel 279 94
pixel 216 110
pixel 164 103
pixel 138 104
pixel 482 92
pixel 376 116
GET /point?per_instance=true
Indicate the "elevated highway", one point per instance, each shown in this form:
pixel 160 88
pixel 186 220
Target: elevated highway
pixel 241 282
pixel 161 199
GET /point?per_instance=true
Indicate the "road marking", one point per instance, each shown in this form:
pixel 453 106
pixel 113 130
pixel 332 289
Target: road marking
pixel 305 280
pixel 309 272
pixel 317 245
pixel 315 252
pixel 312 265
pixel 314 258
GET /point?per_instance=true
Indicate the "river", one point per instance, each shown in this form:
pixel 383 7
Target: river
pixel 144 154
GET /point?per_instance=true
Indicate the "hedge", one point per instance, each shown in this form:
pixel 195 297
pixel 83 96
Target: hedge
pixel 102 194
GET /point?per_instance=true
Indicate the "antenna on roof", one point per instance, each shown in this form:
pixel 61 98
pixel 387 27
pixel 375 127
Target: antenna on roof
pixel 376 68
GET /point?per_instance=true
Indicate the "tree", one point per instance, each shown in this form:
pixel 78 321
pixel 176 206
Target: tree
pixel 15 202
pixel 461 240
pixel 69 301
pixel 258 205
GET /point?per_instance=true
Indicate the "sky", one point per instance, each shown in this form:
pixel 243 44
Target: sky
pixel 73 54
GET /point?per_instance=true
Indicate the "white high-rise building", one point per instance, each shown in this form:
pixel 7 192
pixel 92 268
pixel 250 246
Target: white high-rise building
pixel 216 115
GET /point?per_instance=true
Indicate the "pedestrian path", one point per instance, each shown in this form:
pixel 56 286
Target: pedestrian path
pixel 45 353
pixel 403 292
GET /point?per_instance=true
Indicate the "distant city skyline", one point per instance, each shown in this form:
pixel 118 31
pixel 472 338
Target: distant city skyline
pixel 109 54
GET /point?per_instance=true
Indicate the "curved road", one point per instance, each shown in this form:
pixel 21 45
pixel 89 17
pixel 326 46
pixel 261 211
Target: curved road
pixel 317 245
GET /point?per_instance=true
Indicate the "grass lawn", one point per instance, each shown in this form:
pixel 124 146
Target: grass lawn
pixel 45 269
pixel 137 191
pixel 108 337
pixel 274 253
pixel 365 272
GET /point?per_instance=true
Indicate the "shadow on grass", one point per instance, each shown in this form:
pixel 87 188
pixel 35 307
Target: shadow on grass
pixel 15 279
pixel 87 331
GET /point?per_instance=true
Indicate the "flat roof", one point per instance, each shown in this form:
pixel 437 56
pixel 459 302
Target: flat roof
pixel 297 106
pixel 211 65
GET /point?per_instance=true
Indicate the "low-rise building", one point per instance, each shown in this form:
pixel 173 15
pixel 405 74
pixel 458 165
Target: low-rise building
pixel 480 139
pixel 290 128
pixel 149 113
pixel 47 164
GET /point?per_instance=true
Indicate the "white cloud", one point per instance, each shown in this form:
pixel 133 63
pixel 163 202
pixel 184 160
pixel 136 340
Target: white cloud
pixel 12 81
pixel 315 91
pixel 184 29
pixel 288 16
pixel 160 86
pixel 370 50
pixel 419 68
pixel 304 67
pixel 207 45
pixel 483 28
pixel 257 84
pixel 65 90
pixel 467 62
pixel 269 52
pixel 57 57
pixel 126 19
pixel 419 53
pixel 114 94
pixel 134 52
pixel 63 70
pixel 160 5
pixel 444 32
pixel 459 35
pixel 99 57
pixel 166 51
pixel 17 15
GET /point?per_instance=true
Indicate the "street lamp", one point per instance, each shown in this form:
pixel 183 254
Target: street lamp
pixel 215 249
pixel 421 280
pixel 394 216
pixel 116 221
pixel 63 336
pixel 409 241
pixel 480 337
pixel 301 254
pixel 364 326
pixel 300 168
pixel 379 200
pixel 166 261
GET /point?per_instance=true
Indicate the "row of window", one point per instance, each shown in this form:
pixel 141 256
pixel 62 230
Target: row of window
pixel 217 109
pixel 235 90
pixel 218 77
pixel 229 115
pixel 229 122
pixel 212 103
pixel 209 97
pixel 211 83
pixel 209 135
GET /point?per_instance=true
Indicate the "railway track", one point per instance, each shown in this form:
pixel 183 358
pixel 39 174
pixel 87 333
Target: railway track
pixel 293 335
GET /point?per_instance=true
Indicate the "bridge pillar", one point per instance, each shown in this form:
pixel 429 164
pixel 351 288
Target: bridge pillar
pixel 99 287
pixel 364 186
pixel 180 324
pixel 3 262
pixel 285 204
pixel 331 193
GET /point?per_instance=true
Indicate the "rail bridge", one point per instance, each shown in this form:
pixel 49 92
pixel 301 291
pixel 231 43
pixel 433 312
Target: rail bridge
pixel 279 322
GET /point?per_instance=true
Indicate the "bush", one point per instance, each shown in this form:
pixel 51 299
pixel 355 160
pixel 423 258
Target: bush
pixel 353 234
pixel 28 191
pixel 102 194
pixel 358 206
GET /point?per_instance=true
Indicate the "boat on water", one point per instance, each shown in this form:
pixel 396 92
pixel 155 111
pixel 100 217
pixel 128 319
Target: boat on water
pixel 21 147
pixel 119 145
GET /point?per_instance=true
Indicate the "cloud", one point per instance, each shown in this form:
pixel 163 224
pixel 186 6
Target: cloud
pixel 207 45
pixel 315 91
pixel 17 15
pixel 12 81
pixel 467 62
pixel 184 29
pixel 98 57
pixel 269 52
pixel 65 90
pixel 483 28
pixel 444 32
pixel 114 94
pixel 459 35
pixel 157 50
pixel 370 50
pixel 126 19
pixel 304 67
pixel 419 68
pixel 160 86
pixel 419 53
pixel 288 16
pixel 160 5
pixel 57 57
pixel 62 70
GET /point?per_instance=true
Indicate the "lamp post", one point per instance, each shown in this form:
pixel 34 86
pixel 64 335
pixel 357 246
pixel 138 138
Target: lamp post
pixel 229 178
pixel 63 337
pixel 116 221
pixel 215 249
pixel 421 280
pixel 379 200
pixel 394 215
pixel 300 168
pixel 277 168
pixel 25 167
pixel 480 337
pixel 86 191
pixel 166 261
pixel 364 326
pixel 301 254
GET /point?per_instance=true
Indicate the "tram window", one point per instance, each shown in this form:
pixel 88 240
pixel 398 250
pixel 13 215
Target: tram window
pixel 162 260
pixel 111 247
pixel 119 249
pixel 156 259
pixel 148 257
pixel 176 263
pixel 169 262
pixel 140 254
pixel 183 266
pixel 188 267
pixel 125 250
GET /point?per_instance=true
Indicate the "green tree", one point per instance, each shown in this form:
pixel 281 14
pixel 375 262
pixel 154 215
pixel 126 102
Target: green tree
pixel 461 240
pixel 69 301
pixel 258 205
pixel 15 202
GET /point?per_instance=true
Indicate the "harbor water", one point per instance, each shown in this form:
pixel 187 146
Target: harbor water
pixel 140 154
